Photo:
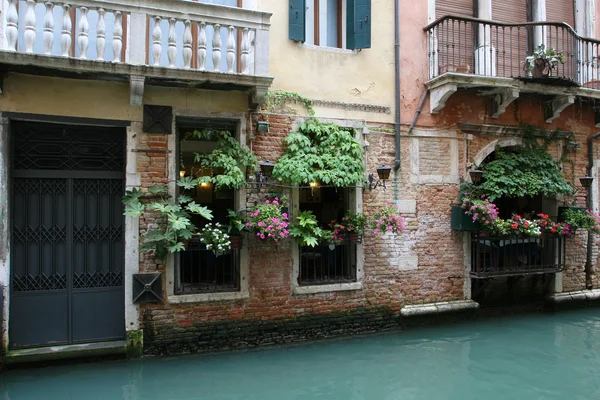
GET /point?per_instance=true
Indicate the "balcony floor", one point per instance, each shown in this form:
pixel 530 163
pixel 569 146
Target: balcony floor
pixel 36 64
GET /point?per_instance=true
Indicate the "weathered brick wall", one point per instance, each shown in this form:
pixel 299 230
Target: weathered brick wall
pixel 272 313
pixel 424 264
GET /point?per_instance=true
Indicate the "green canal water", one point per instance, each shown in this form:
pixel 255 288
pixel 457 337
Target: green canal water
pixel 552 356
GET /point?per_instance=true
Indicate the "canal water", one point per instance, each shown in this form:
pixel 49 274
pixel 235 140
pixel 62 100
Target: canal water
pixel 551 356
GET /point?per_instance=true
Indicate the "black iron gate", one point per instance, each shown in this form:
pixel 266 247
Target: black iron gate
pixel 67 234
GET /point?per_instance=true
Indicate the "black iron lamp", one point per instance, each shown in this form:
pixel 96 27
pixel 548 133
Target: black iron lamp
pixel 383 172
pixel 586 181
pixel 265 172
pixel 476 176
pixel 262 126
pixel 266 168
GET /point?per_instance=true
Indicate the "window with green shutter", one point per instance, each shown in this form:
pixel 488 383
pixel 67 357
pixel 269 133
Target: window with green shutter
pixel 358 24
pixel 298 20
pixel 321 23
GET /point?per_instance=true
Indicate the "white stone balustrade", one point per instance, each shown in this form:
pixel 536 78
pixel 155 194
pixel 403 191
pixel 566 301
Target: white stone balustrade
pixel 159 33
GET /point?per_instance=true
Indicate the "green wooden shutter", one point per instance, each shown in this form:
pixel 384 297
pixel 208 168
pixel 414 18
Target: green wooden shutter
pixel 298 20
pixel 358 24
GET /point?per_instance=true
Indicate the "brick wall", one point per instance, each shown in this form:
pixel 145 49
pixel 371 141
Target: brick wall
pixel 425 264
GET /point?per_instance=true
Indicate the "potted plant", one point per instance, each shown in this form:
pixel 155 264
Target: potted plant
pixel 306 229
pixel 543 61
pixel 479 213
pixel 333 237
pixel 351 226
pixel 581 219
pixel 387 219
pixel 235 228
pixel 268 221
pixel 215 238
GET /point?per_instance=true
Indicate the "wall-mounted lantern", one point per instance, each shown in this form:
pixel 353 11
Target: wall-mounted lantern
pixel 383 172
pixel 586 181
pixel 262 126
pixel 476 175
pixel 265 172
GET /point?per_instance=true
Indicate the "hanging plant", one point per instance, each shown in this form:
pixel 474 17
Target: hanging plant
pixel 228 161
pixel 174 226
pixel 527 170
pixel 321 152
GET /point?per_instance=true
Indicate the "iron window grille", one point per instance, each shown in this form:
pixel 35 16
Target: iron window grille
pixel 321 265
pixel 516 255
pixel 201 271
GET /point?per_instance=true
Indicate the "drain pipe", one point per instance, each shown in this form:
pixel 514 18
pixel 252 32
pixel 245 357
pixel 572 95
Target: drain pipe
pixel 590 205
pixel 397 88
pixel 416 117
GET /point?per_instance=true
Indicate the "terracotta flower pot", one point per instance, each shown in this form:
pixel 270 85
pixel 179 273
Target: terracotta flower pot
pixel 354 238
pixel 236 241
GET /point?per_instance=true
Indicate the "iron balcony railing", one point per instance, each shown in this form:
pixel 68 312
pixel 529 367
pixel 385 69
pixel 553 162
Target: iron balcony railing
pixel 481 47
pixel 202 271
pixel 515 255
pixel 324 265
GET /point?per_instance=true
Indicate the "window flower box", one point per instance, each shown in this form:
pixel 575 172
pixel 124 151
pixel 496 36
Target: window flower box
pixel 459 221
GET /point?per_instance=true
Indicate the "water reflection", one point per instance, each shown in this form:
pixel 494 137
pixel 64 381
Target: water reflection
pixel 535 357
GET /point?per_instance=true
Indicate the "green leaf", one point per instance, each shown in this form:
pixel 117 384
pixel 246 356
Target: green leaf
pixel 158 189
pixel 203 211
pixel 134 209
pixel 131 196
pixel 177 247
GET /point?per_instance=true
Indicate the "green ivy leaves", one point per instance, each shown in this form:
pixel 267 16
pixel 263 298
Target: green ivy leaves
pixel 525 171
pixel 321 152
pixel 229 156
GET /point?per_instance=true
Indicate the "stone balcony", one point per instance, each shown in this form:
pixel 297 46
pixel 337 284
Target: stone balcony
pixel 490 58
pixel 144 42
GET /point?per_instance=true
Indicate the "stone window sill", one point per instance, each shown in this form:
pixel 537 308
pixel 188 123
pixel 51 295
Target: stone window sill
pixel 328 49
pixel 206 297
pixel 337 287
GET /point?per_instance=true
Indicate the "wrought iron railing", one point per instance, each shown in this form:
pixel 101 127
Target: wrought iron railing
pixel 324 265
pixel 515 255
pixel 202 271
pixel 481 47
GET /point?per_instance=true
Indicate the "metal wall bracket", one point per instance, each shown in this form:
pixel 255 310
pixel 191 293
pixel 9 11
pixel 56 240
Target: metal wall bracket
pixel 147 288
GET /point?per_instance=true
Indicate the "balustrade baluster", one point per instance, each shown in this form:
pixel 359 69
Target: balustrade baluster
pixel 156 41
pixel 187 44
pixel 101 34
pixel 84 27
pixel 202 46
pixel 245 50
pixel 30 24
pixel 65 36
pixel 172 42
pixel 230 57
pixel 12 28
pixel 216 48
pixel 117 36
pixel 48 34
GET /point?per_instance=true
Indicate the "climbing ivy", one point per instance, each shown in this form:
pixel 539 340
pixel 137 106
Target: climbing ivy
pixel 525 170
pixel 275 100
pixel 230 158
pixel 321 152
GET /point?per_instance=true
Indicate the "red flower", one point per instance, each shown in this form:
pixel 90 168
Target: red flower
pixel 553 230
pixel 514 226
pixel 526 224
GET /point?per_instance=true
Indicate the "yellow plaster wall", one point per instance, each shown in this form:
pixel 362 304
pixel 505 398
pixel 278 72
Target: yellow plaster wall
pixel 363 77
pixel 105 100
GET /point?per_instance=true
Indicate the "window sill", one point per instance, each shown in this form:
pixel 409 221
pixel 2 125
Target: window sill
pixel 327 49
pixel 336 287
pixel 206 297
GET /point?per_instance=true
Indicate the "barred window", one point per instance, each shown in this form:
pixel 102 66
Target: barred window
pixel 326 263
pixel 199 270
